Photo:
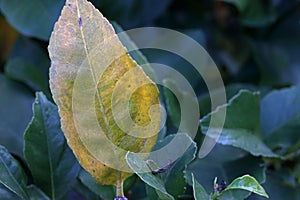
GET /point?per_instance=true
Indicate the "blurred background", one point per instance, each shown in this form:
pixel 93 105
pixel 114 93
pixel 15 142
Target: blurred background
pixel 254 43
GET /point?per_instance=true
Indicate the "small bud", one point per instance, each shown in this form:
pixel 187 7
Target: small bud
pixel 120 198
pixel 219 187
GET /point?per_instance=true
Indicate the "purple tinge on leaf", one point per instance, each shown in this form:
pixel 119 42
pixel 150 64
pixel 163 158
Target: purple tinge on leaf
pixel 80 21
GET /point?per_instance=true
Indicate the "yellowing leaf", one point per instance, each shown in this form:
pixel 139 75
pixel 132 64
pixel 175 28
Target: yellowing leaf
pixel 107 104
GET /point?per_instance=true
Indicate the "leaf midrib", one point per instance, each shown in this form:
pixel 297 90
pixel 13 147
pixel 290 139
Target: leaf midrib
pixel 95 83
pixel 93 73
pixel 48 153
pixel 15 182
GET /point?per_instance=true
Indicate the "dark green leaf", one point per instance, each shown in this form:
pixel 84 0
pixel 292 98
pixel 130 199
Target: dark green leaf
pixel 242 126
pixel 20 70
pixel 248 183
pixel 132 13
pixel 296 173
pixel 84 191
pixel 103 191
pixel 231 90
pixel 251 165
pixel 172 104
pixel 280 117
pixel 151 193
pixel 7 194
pixel 139 166
pixel 220 164
pixel 15 113
pixel 175 61
pixel 32 17
pixel 138 191
pixel 181 106
pixel 52 164
pixel 130 182
pixel 36 194
pixel 272 71
pixel 287 46
pixel 12 175
pixel 199 191
pixel 175 181
pixel 34 56
pixel 32 52
pixel 254 13
pixel 278 187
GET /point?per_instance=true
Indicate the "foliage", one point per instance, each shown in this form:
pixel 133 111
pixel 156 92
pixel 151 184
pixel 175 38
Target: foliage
pixel 255 46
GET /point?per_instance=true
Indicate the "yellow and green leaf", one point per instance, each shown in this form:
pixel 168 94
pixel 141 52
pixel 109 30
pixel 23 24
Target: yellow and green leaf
pixel 106 102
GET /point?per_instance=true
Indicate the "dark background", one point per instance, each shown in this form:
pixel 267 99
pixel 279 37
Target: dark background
pixel 254 43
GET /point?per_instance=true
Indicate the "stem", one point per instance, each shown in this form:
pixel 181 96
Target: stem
pixel 120 192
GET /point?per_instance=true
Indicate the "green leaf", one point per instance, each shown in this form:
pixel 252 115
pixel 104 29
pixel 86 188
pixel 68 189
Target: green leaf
pixel 122 11
pixel 130 182
pixel 20 70
pixel 33 52
pixel 151 193
pixel 32 17
pixel 175 181
pixel 84 86
pixel 287 46
pixel 172 104
pixel 103 191
pixel 176 62
pixel 296 172
pixel 51 162
pixel 173 60
pixel 139 166
pixel 12 175
pixel 242 126
pixel 81 190
pixel 138 191
pixel 251 165
pixel 226 163
pixel 254 13
pixel 36 194
pixel 183 119
pixel 7 194
pixel 198 191
pixel 275 71
pixel 31 56
pixel 248 183
pixel 280 117
pixel 231 90
pixel 15 114
pixel 278 185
